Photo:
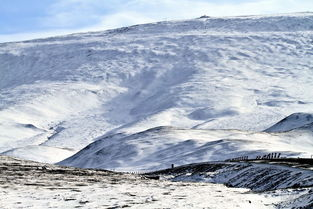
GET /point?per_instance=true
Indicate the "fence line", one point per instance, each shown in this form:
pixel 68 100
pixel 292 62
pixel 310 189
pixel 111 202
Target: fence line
pixel 135 172
pixel 272 155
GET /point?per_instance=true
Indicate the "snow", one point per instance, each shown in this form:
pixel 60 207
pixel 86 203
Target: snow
pixel 136 195
pixel 160 147
pixel 40 153
pixel 244 73
pixel 66 187
pixel 144 97
pixel 287 181
pixel 258 177
pixel 304 199
pixel 294 121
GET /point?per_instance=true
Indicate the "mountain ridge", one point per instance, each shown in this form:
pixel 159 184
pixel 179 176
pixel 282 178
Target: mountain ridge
pixel 211 73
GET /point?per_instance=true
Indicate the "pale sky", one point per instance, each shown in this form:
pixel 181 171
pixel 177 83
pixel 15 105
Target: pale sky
pixel 28 19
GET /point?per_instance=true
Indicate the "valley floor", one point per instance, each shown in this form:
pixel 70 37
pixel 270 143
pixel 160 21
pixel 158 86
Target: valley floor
pixel 26 184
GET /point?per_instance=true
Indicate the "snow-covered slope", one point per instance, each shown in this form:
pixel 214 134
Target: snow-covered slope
pixel 241 73
pixel 294 121
pixel 255 176
pixel 160 147
pixel 40 153
pixel 68 187
pixel 294 183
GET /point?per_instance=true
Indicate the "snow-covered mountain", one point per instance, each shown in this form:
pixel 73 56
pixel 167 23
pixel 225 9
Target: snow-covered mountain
pixel 60 94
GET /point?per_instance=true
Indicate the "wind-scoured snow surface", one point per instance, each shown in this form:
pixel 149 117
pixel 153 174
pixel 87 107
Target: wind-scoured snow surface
pixel 255 176
pixel 275 180
pixel 68 187
pixel 244 73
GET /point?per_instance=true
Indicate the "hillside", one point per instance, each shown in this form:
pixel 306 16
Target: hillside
pixel 245 73
pixel 160 147
pixel 294 121
pixel 189 186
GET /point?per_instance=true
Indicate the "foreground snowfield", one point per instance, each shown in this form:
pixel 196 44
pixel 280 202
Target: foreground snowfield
pixel 66 187
pixel 247 73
